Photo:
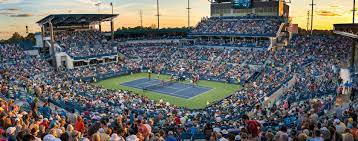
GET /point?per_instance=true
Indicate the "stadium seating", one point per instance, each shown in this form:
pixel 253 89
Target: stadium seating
pixel 239 26
pixel 313 61
pixel 84 44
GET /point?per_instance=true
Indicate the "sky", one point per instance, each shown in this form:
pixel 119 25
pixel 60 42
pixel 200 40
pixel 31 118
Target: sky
pixel 16 14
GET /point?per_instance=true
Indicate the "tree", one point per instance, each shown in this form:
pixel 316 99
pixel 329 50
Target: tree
pixel 153 26
pixel 15 38
pixel 31 37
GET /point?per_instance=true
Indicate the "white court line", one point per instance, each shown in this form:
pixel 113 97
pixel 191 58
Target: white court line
pixel 181 90
pixel 175 88
pixel 172 94
pixel 149 85
pixel 189 87
pixel 202 93
pixel 150 81
pixel 191 97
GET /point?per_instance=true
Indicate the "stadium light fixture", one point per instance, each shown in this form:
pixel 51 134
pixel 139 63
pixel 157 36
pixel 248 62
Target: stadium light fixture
pixel 354 10
pixel 312 6
pixel 98 5
pixel 158 15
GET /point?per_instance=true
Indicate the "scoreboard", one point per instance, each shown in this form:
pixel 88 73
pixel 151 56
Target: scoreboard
pixel 238 4
pixel 220 8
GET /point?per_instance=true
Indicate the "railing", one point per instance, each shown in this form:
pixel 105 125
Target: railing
pixel 233 34
pixel 280 29
pixel 236 45
pixel 92 56
pixel 346 34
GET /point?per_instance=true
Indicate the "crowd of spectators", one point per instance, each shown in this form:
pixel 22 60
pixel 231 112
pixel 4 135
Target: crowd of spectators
pixel 11 52
pixel 88 112
pixel 254 26
pixel 209 63
pixel 84 43
pixel 249 43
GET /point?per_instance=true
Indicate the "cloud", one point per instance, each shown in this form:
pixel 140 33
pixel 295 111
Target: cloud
pixel 10 9
pixel 88 1
pixel 3 1
pixel 10 1
pixel 22 15
pixel 5 13
pixel 327 13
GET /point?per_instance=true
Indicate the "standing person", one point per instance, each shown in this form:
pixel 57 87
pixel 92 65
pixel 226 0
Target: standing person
pixel 80 125
pixel 172 78
pixel 193 79
pixel 345 88
pixel 158 75
pixel 227 80
pixel 353 93
pixel 340 80
pixel 46 110
pixel 197 79
pixel 316 136
pixel 238 79
pixel 252 126
pixel 192 82
pixel 163 82
pixel 170 136
pixel 149 74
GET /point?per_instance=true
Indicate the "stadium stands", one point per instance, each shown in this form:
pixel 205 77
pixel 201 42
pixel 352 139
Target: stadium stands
pixel 240 26
pixel 84 44
pixel 300 113
pixel 10 53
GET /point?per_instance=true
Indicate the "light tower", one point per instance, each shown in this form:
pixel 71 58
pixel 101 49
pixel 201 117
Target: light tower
pixel 158 15
pixel 353 55
pixel 188 13
pixel 141 18
pixel 354 10
pixel 312 4
pixel 308 20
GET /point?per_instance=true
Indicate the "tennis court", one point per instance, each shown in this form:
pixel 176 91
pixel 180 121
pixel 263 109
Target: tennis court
pixel 177 89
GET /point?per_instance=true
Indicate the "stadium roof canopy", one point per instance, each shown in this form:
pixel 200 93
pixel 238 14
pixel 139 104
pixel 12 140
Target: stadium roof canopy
pixel 349 30
pixel 76 19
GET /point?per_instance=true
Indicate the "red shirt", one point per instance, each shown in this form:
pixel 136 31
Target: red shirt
pixel 177 120
pixel 253 127
pixel 355 133
pixel 80 126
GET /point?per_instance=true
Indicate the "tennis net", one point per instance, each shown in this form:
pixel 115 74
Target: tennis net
pixel 158 86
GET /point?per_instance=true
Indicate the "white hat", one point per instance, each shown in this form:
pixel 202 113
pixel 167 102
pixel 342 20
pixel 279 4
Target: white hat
pixel 101 130
pixel 324 129
pixel 337 121
pixel 50 137
pixel 85 139
pixel 114 137
pixel 11 130
pixel 237 137
pixel 132 138
pixel 224 132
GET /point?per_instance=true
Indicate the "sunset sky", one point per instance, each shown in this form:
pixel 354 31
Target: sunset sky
pixel 16 14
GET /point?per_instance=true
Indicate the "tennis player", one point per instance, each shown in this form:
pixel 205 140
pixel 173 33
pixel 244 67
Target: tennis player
pixel 162 82
pixel 197 79
pixel 192 82
pixel 172 78
pixel 149 74
pixel 193 79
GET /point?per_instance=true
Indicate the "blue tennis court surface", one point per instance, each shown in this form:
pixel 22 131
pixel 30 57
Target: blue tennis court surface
pixel 177 89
